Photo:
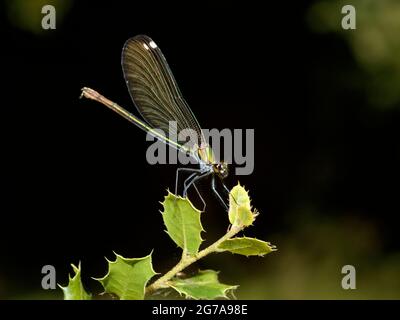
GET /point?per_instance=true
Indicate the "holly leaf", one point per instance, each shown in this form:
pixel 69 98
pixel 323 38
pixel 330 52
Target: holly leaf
pixel 240 213
pixel 183 224
pixel 74 290
pixel 247 246
pixel 204 285
pixel 127 277
pixel 244 217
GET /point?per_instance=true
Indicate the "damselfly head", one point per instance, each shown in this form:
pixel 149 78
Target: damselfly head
pixel 221 169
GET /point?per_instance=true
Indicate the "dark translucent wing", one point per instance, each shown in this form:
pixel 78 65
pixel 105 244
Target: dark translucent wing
pixel 154 90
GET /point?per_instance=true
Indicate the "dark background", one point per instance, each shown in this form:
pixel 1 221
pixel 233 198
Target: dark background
pixel 76 185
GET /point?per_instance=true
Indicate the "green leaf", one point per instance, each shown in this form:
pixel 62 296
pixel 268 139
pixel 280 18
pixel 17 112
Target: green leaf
pixel 240 213
pixel 247 246
pixel 205 285
pixel 244 217
pixel 74 290
pixel 127 277
pixel 183 224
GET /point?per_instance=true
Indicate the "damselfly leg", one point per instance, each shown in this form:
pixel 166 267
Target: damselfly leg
pixel 201 198
pixel 228 192
pixel 183 170
pixel 214 189
pixel 197 178
pixel 191 181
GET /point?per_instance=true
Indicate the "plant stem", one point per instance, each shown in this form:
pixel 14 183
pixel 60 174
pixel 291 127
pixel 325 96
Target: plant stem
pixel 187 260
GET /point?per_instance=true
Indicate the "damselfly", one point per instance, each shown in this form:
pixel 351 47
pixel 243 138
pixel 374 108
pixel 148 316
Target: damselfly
pixel 158 99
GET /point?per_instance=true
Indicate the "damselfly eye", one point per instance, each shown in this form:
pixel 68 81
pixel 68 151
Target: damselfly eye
pixel 221 169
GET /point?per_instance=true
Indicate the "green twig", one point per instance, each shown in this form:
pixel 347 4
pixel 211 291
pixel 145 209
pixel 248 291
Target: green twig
pixel 187 260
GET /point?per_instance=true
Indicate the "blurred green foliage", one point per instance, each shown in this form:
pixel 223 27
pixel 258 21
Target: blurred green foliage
pixel 375 43
pixel 312 251
pixel 27 14
pixel 310 258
